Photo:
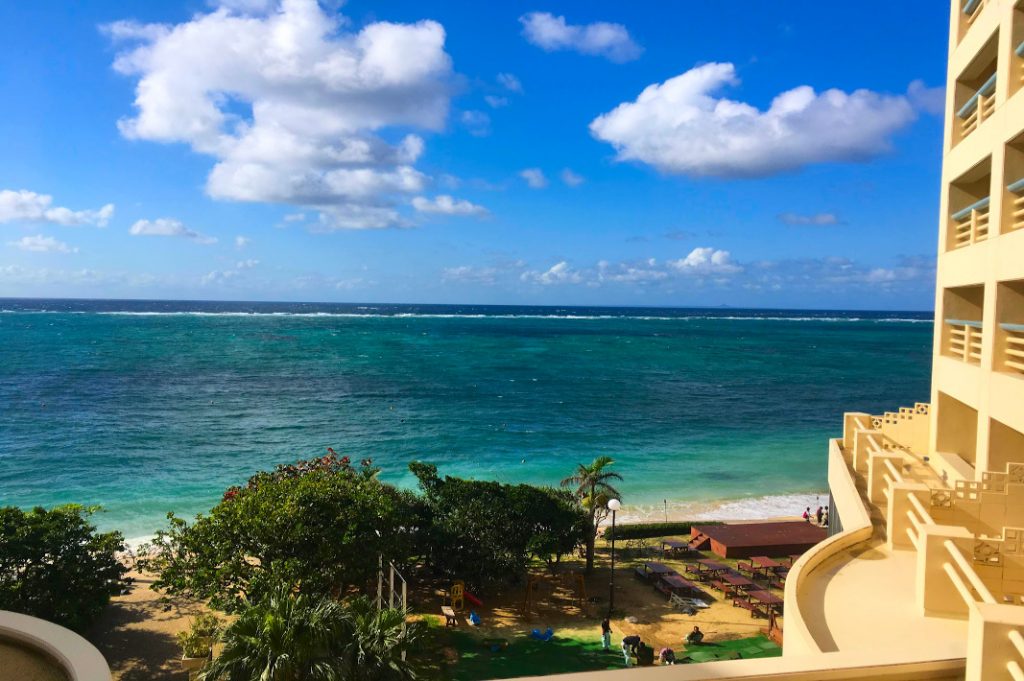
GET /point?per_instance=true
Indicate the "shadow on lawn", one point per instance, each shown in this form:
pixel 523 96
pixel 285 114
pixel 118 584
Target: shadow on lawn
pixel 524 657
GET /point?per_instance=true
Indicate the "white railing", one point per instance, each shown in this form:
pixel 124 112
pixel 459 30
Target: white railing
pixel 964 578
pixel 1013 666
pixel 970 224
pixel 1017 202
pixel 919 517
pixel 1013 350
pixel 979 107
pixel 964 340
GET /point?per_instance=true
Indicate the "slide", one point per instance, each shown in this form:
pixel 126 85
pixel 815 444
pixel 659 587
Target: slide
pixel 473 599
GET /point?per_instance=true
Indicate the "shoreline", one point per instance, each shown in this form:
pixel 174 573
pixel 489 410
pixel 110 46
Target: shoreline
pixel 765 507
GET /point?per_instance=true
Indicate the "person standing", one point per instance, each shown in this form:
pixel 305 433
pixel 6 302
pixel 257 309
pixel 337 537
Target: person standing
pixel 818 514
pixel 606 633
pixel 627 654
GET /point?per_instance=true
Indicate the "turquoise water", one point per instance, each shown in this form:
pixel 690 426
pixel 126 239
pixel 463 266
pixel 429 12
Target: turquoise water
pixel 151 407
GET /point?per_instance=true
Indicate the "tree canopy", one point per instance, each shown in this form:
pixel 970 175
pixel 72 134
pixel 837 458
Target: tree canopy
pixel 593 490
pixel 55 565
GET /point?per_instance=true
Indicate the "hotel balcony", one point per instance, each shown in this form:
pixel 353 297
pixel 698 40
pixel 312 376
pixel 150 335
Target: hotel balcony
pixel 974 93
pixel 964 340
pixel 970 10
pixel 969 203
pixel 1010 327
pixel 1015 217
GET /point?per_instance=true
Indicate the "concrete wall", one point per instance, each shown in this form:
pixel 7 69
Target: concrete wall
pixel 80 660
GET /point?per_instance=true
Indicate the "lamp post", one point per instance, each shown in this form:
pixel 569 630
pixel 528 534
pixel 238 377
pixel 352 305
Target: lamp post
pixel 613 505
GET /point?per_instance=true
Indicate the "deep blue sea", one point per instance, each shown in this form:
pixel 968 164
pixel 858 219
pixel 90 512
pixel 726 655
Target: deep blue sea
pixel 146 407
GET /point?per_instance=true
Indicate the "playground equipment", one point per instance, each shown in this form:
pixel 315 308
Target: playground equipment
pixel 532 587
pixel 396 597
pixel 579 588
pixel 548 634
pixel 458 595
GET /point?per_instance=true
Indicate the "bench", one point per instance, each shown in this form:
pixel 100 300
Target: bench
pixel 449 616
pixel 640 573
pixel 746 567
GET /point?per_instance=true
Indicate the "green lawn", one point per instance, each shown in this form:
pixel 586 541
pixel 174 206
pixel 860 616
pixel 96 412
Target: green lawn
pixel 526 657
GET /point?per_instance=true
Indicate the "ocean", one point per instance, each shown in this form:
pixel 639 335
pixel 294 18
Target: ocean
pixel 145 407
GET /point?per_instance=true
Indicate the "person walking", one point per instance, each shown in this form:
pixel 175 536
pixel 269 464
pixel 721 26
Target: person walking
pixel 606 633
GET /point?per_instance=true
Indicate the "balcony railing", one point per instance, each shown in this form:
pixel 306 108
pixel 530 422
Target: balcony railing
pixel 979 107
pixel 972 8
pixel 964 340
pixel 1013 351
pixel 970 225
pixel 1017 205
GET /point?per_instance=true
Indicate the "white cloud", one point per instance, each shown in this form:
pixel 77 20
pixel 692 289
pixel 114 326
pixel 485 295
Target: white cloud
pixel 295 217
pixel 242 241
pixel 25 206
pixel 572 179
pixel 444 204
pixel 477 122
pixel 601 38
pixel 224 276
pixel 559 273
pixel 168 227
pixel 534 177
pixel 485 276
pixel 928 99
pixel 496 102
pixel 510 82
pixel 42 244
pixel 815 219
pixel 290 105
pixel 706 261
pixel 680 126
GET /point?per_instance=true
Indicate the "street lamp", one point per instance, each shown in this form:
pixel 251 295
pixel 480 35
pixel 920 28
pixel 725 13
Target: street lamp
pixel 613 505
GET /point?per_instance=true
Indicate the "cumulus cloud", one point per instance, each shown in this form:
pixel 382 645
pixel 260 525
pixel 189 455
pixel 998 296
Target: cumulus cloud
pixel 570 178
pixel 242 241
pixel 814 219
pixel 534 178
pixel 26 206
pixel 682 126
pixel 510 82
pixel 168 227
pixel 705 260
pixel 559 273
pixel 444 204
pixel 928 99
pixel 496 102
pixel 290 105
pixel 551 33
pixel 224 276
pixel 477 122
pixel 42 244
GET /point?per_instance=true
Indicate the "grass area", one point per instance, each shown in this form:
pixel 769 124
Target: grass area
pixel 476 660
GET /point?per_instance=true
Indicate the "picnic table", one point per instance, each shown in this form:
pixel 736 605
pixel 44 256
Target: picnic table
pixel 674 546
pixel 708 565
pixel 766 564
pixel 738 581
pixel 653 569
pixel 767 599
pixel 449 616
pixel 673 583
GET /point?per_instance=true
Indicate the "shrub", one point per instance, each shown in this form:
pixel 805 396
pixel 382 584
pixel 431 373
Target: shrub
pixel 658 529
pixel 55 565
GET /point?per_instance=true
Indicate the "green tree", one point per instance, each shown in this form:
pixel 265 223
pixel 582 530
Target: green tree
pixel 320 524
pixel 484 531
pixel 593 489
pixel 291 636
pixel 55 565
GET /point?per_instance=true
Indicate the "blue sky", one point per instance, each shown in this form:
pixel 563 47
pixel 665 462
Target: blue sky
pixel 473 152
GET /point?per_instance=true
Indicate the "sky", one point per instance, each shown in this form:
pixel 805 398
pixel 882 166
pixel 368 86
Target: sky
pixel 755 154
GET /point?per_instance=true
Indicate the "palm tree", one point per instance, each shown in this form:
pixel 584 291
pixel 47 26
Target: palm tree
pixel 378 642
pixel 593 489
pixel 297 637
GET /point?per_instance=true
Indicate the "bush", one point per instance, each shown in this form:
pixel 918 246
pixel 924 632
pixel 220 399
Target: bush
pixel 55 565
pixel 485 531
pixel 650 530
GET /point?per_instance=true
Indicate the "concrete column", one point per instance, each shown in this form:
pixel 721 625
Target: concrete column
pixel 877 470
pixel 989 644
pixel 936 594
pixel 897 521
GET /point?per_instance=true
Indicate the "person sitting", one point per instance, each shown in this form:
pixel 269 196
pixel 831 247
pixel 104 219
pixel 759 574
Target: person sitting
pixel 644 655
pixel 695 636
pixel 631 643
pixel 667 656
